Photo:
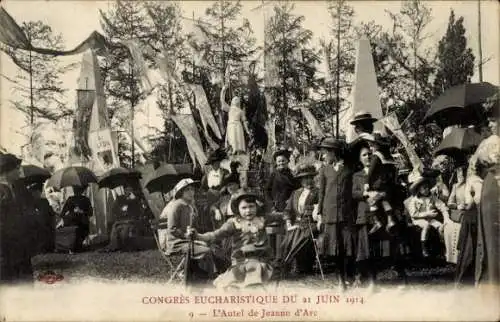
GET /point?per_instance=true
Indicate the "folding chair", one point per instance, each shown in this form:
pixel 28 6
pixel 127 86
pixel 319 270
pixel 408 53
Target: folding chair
pixel 176 272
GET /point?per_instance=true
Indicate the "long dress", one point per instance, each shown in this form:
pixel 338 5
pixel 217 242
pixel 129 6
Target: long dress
pixel 15 248
pixel 251 252
pixel 298 243
pixel 235 135
pixel 451 228
pixel 467 240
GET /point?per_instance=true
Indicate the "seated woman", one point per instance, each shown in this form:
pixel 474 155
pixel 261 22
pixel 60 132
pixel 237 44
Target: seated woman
pixel 126 211
pixel 251 252
pixel 181 214
pixel 297 245
pixel 77 211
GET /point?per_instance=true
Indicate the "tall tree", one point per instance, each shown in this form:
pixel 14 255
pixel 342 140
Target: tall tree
pixel 38 86
pixel 414 69
pixel 126 20
pixel 455 61
pixel 341 59
pixel 290 43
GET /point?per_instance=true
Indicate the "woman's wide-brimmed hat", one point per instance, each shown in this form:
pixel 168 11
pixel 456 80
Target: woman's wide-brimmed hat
pixel 9 162
pixel 233 178
pixel 181 185
pixel 282 151
pixel 331 143
pixel 363 116
pixel 427 176
pixel 240 195
pixel 216 156
pixel 306 171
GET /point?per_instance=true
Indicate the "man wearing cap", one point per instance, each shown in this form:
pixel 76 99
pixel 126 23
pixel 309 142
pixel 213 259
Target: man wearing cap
pixel 180 214
pixel 15 256
pixel 336 206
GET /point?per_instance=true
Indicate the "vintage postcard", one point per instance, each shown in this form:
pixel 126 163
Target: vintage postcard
pixel 249 160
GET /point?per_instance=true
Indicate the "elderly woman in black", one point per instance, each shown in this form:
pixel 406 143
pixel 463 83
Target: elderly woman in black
pixel 336 206
pixel 281 182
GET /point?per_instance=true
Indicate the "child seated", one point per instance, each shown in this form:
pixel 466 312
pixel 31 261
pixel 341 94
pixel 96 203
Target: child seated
pixel 423 208
pixel 251 252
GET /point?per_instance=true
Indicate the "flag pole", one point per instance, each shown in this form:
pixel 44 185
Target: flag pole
pixel 479 40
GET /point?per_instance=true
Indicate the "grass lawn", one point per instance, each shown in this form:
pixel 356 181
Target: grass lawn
pixel 149 266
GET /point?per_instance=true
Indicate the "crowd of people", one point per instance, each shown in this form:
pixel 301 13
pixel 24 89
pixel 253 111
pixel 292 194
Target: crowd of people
pixel 349 207
pixel 344 205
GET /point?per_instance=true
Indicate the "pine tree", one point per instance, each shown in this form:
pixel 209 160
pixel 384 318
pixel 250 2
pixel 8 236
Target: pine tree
pixel 289 42
pixel 126 20
pixel 455 60
pixel 38 87
pixel 341 59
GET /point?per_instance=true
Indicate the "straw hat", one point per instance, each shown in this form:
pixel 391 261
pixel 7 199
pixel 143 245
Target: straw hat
pixel 363 116
pixel 181 185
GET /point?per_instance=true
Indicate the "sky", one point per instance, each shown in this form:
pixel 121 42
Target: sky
pixel 75 20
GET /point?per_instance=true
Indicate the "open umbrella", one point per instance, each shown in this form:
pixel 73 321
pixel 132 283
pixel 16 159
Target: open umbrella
pixel 459 142
pixel 118 177
pixel 460 104
pixel 72 176
pixel 166 176
pixel 34 174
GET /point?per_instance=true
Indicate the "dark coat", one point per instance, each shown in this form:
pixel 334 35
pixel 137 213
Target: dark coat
pixel 279 188
pixel 382 175
pixel 335 195
pixel 361 206
pixel 291 211
pixel 488 237
pixel 15 244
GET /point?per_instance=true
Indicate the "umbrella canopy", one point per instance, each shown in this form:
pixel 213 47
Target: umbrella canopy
pixel 72 176
pixel 459 142
pixel 166 176
pixel 34 174
pixel 460 104
pixel 118 177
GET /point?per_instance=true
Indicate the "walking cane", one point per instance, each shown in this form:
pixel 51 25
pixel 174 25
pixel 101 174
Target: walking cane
pixel 315 250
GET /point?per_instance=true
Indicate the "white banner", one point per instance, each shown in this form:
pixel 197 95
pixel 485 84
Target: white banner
pixel 103 151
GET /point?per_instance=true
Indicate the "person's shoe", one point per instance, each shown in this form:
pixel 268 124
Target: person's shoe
pixel 376 227
pixel 390 223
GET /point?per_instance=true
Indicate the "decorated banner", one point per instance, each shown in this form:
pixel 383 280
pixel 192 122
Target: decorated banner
pixel 270 128
pixel 103 150
pixel 392 123
pixel 313 123
pixel 202 105
pixel 140 64
pixel 13 35
pixel 187 125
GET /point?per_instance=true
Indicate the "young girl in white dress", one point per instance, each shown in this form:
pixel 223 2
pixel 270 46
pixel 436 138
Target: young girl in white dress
pixel 237 124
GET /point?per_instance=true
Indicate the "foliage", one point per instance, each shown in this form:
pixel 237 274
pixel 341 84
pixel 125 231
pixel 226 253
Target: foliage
pixel 39 76
pixel 289 42
pixel 455 60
